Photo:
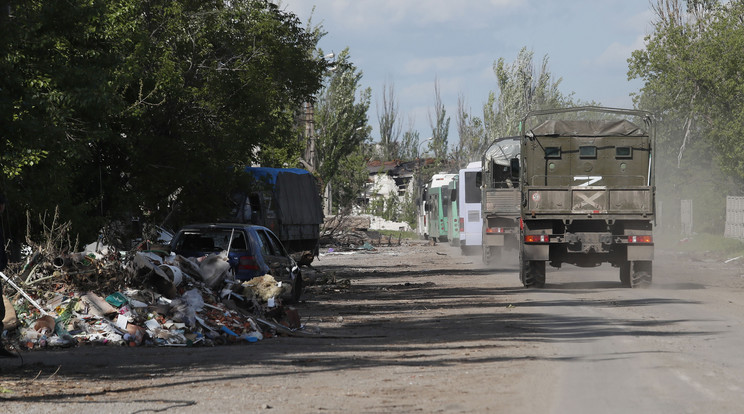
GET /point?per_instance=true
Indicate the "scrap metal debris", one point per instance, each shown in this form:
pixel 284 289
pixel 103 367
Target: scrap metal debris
pixel 152 297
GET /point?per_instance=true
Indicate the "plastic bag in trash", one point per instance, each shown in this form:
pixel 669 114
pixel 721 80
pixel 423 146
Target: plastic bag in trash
pixel 183 312
pixel 214 268
pixel 194 298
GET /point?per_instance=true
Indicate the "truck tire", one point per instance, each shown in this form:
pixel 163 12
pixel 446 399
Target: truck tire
pixel 491 255
pixel 642 274
pixel 532 273
pixel 625 273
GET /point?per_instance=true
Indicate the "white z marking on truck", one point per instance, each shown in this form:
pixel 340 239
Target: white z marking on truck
pixel 590 179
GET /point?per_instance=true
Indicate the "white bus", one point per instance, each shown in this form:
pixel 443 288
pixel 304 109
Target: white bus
pixel 469 209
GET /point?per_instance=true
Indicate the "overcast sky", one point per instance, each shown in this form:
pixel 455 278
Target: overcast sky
pixel 410 43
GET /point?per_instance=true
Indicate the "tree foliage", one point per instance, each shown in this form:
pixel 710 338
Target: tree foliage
pixel 693 73
pixel 389 124
pixel 520 89
pixel 342 129
pixel 472 136
pixel 409 145
pixel 439 122
pixel 110 107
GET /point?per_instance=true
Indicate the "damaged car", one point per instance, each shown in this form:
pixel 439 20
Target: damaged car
pixel 252 251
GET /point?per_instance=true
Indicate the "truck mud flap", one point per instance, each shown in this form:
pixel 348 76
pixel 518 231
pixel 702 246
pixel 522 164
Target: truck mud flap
pixel 493 240
pixel 640 253
pixel 536 252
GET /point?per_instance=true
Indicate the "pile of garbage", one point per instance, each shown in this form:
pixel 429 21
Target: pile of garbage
pixel 138 298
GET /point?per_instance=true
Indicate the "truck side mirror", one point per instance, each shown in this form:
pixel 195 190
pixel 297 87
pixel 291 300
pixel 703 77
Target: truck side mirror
pixel 514 164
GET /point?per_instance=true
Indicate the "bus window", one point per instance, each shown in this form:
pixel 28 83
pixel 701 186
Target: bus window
pixel 472 189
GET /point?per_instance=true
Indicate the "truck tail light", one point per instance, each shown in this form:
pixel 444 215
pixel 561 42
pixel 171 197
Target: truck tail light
pixel 640 239
pixel 494 230
pixel 536 238
pixel 247 263
pixel 462 224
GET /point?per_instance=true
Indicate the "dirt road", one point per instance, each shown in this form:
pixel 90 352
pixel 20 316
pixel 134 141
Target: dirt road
pixel 422 329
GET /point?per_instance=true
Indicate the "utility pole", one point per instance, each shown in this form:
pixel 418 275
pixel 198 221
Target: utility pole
pixel 310 151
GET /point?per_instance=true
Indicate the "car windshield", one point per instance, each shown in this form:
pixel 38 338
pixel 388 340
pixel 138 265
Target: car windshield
pixel 212 240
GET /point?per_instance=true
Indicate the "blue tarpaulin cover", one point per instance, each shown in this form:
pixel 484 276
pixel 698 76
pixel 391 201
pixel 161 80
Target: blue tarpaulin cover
pixel 295 192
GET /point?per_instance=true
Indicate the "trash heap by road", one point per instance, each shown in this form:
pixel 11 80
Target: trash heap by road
pixel 102 296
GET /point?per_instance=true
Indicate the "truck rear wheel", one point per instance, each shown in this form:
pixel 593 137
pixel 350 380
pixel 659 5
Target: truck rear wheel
pixel 642 274
pixel 625 273
pixel 532 273
pixel 491 255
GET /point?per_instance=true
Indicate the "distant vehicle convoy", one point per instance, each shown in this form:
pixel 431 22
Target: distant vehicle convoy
pixel 577 186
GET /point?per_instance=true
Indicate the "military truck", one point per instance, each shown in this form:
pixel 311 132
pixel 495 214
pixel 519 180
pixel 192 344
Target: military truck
pixel 287 201
pixel 587 192
pixel 500 198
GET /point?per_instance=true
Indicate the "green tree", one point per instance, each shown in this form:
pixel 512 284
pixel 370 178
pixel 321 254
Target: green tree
pixel 439 122
pixel 392 208
pixel 409 146
pixel 224 81
pixel 389 124
pixel 693 73
pixel 342 128
pixel 521 89
pixel 472 136
pixel 410 210
pixel 110 108
pixel 57 95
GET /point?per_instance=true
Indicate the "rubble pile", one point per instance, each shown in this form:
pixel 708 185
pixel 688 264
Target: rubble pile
pixel 102 296
pixel 357 233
